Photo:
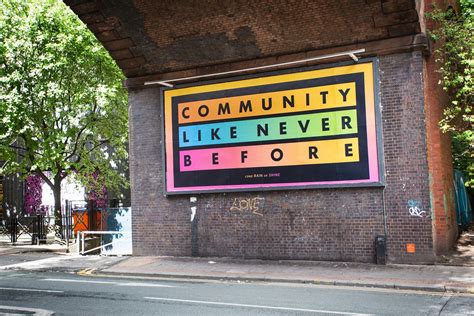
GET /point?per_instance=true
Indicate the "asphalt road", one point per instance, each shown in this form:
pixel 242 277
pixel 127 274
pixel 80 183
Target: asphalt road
pixel 71 294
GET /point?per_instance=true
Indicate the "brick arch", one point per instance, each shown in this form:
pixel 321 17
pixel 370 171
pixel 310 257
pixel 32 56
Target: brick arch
pixel 148 37
pixel 160 40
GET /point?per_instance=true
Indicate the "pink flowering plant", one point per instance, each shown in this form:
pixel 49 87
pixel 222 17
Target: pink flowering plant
pixel 33 194
pixel 99 190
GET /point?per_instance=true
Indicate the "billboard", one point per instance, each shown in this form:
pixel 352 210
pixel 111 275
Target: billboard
pixel 305 129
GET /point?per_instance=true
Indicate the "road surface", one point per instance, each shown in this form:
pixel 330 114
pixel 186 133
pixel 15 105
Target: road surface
pixel 70 294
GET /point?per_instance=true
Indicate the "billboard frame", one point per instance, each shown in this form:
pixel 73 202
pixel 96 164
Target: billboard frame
pixel 378 129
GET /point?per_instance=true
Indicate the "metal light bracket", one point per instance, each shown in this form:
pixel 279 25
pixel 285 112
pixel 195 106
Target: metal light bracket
pixel 169 83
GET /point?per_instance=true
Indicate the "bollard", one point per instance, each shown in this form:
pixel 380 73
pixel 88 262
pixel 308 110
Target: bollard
pixel 78 242
pixel 34 235
pixel 41 233
pixel 13 229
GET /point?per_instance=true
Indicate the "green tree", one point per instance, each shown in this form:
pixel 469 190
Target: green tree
pixel 454 33
pixel 462 148
pixel 62 104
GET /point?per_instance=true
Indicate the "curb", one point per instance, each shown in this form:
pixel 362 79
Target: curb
pixel 12 251
pixel 439 288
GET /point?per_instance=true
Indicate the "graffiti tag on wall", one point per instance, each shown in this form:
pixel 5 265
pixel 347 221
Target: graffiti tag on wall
pixel 415 209
pixel 253 205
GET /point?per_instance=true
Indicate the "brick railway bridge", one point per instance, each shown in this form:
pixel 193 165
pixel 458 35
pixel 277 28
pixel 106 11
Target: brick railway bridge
pixel 410 202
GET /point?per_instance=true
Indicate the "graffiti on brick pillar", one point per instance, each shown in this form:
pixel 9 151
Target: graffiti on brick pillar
pixel 253 205
pixel 415 209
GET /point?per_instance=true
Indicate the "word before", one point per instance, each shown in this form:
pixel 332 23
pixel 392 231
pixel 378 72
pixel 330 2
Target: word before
pixel 289 154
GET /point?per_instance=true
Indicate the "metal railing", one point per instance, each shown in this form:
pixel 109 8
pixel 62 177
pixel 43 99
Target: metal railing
pixel 81 240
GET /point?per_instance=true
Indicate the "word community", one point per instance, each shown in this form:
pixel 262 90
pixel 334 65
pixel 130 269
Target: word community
pixel 265 104
pixel 269 103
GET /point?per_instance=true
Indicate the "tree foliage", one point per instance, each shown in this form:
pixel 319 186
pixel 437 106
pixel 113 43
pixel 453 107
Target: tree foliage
pixel 463 155
pixel 454 33
pixel 62 104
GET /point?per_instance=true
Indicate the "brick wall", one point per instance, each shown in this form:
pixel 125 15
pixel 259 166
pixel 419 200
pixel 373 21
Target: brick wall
pixel 406 164
pixel 147 37
pixel 160 225
pixel 445 229
pixel 324 224
pixel 304 224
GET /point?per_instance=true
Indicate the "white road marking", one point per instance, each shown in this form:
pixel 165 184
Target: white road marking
pixel 36 264
pixel 16 275
pixel 29 311
pixel 254 306
pixel 30 290
pixel 136 284
pixel 79 281
pixel 144 284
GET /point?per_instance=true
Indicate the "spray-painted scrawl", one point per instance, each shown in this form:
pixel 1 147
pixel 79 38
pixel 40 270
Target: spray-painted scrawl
pixel 415 209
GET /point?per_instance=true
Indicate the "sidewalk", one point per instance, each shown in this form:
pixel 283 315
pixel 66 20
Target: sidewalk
pixel 438 278
pixel 412 277
pixel 6 249
pixel 443 277
pixel 453 273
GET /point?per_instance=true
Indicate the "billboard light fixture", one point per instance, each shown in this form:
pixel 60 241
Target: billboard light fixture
pixel 169 83
pixel 354 57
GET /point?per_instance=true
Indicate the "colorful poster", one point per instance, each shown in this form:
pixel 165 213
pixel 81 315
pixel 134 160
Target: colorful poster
pixel 305 129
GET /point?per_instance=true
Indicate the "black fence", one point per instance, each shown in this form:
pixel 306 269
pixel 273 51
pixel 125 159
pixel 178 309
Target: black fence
pixel 76 216
pixel 35 227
